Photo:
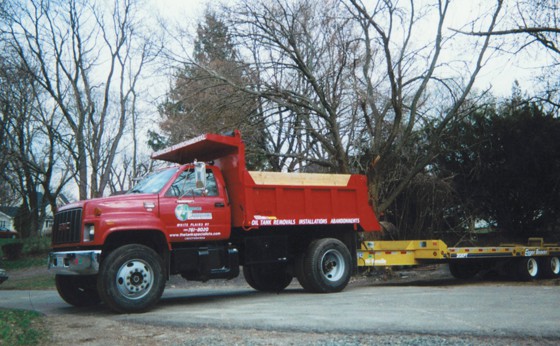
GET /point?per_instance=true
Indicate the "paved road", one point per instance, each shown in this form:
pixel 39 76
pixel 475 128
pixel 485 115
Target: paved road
pixel 479 310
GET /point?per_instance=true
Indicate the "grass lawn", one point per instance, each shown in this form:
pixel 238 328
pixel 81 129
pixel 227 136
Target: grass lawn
pixel 20 327
pixel 25 262
pixel 29 271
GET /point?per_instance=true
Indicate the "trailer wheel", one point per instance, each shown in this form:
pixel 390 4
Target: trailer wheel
pixel 325 267
pixel 463 270
pixel 78 290
pixel 272 277
pixel 527 269
pixel 550 267
pixel 131 278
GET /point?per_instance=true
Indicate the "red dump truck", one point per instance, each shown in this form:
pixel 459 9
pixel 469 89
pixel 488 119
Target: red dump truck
pixel 204 218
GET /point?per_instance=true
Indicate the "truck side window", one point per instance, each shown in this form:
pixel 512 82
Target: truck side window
pixel 185 185
pixel 211 185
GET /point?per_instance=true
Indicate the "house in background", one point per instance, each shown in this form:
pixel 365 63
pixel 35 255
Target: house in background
pixel 7 215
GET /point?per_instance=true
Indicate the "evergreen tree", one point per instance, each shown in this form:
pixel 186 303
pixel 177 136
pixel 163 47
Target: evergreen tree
pixel 199 103
pixel 505 163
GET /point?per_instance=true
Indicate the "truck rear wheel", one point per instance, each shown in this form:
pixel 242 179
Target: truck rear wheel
pixel 325 267
pixel 550 267
pixel 463 270
pixel 78 290
pixel 527 269
pixel 272 277
pixel 131 278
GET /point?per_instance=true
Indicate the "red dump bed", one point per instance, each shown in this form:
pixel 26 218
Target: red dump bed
pixel 261 199
pixel 307 199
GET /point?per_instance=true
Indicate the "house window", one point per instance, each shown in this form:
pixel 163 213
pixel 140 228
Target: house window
pixel 2 223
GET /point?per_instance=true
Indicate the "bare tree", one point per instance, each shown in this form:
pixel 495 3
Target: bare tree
pixel 357 82
pixel 389 32
pixel 89 65
pixel 32 156
pixel 301 63
pixel 534 24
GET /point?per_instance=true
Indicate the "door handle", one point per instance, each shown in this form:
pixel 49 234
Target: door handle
pixel 219 204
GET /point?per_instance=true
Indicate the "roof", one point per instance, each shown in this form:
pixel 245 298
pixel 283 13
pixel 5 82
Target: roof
pixel 206 147
pixel 9 211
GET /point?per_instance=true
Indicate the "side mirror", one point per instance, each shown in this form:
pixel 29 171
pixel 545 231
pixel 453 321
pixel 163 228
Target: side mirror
pixel 200 174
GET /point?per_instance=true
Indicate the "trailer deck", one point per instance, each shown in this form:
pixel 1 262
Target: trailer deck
pixel 465 261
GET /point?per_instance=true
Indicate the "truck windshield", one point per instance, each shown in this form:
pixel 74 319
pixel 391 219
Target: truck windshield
pixel 154 182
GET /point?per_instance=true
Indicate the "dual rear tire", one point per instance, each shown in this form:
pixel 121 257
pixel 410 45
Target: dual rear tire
pixel 325 266
pixel 273 277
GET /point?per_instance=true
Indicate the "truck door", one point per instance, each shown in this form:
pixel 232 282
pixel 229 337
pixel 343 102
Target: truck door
pixel 191 213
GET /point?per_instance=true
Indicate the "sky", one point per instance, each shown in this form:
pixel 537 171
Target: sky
pixel 499 74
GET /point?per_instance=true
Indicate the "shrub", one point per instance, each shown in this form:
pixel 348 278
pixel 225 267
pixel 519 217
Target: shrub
pixel 12 251
pixel 36 246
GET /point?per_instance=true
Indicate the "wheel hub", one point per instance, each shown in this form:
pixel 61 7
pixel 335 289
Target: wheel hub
pixel 134 279
pixel 333 265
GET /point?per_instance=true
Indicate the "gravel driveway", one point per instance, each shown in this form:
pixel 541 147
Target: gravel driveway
pixel 97 326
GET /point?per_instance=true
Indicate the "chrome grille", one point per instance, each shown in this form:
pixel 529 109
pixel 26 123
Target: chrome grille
pixel 67 226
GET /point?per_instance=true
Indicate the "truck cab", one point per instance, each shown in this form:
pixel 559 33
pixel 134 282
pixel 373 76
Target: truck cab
pixel 195 209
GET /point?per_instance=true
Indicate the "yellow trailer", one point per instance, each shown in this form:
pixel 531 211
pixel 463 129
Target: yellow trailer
pixel 522 261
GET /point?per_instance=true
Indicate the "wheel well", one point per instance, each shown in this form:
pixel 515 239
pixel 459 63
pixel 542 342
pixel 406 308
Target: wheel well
pixel 347 235
pixel 151 238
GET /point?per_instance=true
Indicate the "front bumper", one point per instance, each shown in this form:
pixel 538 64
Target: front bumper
pixel 75 262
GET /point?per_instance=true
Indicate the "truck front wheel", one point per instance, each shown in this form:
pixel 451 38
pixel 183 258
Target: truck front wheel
pixel 131 278
pixel 325 267
pixel 272 277
pixel 77 290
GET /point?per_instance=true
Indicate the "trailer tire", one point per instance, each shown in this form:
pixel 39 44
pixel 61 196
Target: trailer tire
pixel 527 269
pixel 325 267
pixel 463 270
pixel 273 277
pixel 550 267
pixel 78 290
pixel 131 279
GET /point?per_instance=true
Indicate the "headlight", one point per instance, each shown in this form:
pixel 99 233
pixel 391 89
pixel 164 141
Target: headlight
pixel 89 232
